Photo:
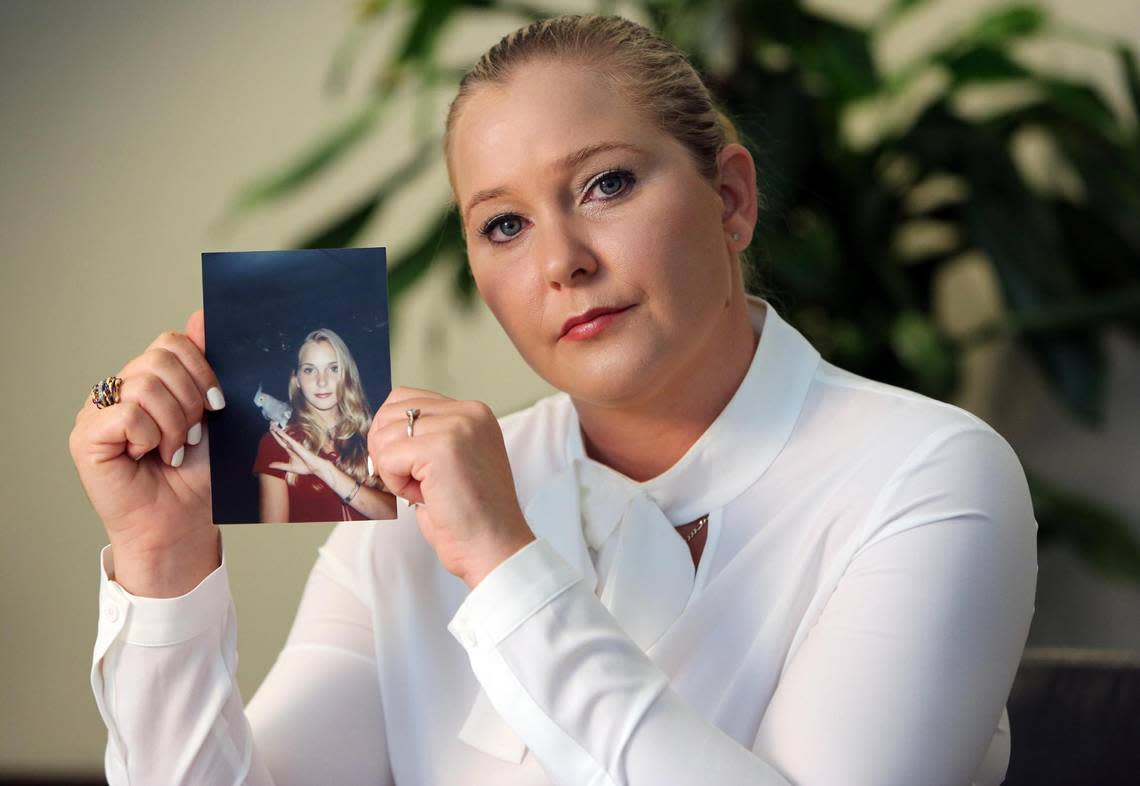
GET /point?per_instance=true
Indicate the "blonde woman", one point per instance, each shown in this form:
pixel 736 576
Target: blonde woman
pixel 712 558
pixel 316 468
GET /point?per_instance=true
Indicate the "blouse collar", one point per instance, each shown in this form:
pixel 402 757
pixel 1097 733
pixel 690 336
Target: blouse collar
pixel 587 507
pixel 744 440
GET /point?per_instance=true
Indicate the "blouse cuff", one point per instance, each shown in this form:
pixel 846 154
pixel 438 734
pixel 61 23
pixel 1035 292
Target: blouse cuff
pixel 510 594
pixel 157 622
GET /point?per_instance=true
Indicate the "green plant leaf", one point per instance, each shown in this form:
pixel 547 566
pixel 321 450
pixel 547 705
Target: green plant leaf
pixel 1102 537
pixel 805 256
pixel 321 155
pixel 1108 265
pixel 442 237
pixel 1073 362
pixel 936 138
pixel 342 231
pixel 1131 77
pixel 1077 316
pixel 1110 176
pixel 370 8
pixel 1027 263
pixel 1081 103
pixel 463 281
pixel 981 65
pixel 978 53
pixel 1001 26
pixel 922 349
pixel 1020 238
pixel 895 11
pixel 777 120
pixel 428 24
pixel 344 58
pixel 840 60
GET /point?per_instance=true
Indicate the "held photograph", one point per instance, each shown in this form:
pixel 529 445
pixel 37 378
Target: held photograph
pixel 299 341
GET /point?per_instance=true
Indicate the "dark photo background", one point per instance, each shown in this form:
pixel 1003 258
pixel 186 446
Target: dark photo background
pixel 259 306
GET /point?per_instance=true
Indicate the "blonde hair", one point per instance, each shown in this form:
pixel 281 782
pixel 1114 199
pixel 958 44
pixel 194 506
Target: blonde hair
pixel 651 73
pixel 350 436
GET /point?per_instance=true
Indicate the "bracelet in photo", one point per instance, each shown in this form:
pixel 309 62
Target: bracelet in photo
pixel 351 494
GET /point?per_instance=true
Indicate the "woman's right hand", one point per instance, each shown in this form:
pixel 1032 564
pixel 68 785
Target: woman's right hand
pixel 144 463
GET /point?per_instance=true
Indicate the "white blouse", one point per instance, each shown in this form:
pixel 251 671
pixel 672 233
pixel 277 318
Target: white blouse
pixel 857 617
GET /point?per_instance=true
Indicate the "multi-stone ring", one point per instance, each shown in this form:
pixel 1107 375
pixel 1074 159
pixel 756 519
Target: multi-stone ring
pixel 106 392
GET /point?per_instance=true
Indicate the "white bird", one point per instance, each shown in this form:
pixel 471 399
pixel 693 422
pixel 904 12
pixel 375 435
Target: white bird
pixel 273 410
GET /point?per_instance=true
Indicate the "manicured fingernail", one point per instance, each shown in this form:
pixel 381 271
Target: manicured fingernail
pixel 371 469
pixel 176 459
pixel 194 435
pixel 216 399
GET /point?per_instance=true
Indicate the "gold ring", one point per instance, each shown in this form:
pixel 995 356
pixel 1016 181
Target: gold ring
pixel 106 392
pixel 412 414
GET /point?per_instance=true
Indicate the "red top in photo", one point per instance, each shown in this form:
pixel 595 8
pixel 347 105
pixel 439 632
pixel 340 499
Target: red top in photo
pixel 310 499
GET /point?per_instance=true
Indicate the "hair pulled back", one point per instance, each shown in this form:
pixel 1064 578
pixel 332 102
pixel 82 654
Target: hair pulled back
pixel 652 74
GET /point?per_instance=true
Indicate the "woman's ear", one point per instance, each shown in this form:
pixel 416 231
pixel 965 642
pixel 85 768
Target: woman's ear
pixel 736 184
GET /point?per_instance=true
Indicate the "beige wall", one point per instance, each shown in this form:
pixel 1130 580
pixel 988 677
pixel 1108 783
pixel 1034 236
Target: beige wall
pixel 125 127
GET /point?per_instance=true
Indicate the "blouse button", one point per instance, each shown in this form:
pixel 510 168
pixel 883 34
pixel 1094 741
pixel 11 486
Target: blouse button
pixel 111 612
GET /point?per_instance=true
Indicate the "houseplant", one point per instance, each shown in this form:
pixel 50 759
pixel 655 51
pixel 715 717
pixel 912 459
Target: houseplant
pixel 830 247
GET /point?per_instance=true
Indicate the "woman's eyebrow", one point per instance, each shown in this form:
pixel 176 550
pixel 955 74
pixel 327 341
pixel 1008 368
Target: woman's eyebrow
pixel 568 161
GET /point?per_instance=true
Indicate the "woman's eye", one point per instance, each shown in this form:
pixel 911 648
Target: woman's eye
pixel 509 225
pixel 612 183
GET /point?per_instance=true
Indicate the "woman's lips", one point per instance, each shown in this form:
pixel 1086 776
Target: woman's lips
pixel 591 323
pixel 323 395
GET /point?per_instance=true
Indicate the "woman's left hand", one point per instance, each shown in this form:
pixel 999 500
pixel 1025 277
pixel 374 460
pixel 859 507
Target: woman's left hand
pixel 455 467
pixel 302 461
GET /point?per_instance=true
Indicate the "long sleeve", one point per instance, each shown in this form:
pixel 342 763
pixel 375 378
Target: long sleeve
pixel 164 678
pixel 904 676
pixel 901 680
pixel 592 707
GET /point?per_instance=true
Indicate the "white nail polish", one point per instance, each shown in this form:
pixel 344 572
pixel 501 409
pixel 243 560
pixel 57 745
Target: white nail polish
pixel 371 469
pixel 176 459
pixel 194 435
pixel 216 399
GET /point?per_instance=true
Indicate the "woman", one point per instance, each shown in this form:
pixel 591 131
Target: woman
pixel 712 558
pixel 316 469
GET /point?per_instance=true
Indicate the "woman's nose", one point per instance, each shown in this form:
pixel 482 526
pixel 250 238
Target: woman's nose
pixel 566 255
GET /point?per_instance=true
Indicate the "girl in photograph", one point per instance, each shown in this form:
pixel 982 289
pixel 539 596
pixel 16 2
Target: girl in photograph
pixel 316 468
pixel 711 558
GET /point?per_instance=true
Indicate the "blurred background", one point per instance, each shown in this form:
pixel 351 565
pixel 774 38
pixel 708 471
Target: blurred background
pixel 953 205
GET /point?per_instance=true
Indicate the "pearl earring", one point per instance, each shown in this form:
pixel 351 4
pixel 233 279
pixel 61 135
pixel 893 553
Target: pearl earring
pixel 736 236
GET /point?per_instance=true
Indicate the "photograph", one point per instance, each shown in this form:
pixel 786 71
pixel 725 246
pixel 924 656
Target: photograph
pixel 299 341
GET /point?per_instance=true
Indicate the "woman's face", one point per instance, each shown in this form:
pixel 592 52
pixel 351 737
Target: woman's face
pixel 318 374
pixel 592 237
